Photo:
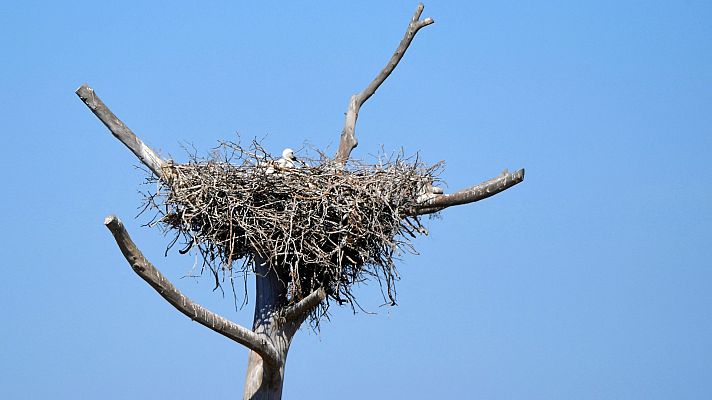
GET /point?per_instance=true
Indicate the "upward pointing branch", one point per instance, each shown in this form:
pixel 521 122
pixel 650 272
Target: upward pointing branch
pixel 348 136
pixel 122 132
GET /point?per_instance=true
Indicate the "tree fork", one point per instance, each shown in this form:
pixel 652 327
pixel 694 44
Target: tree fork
pixel 275 322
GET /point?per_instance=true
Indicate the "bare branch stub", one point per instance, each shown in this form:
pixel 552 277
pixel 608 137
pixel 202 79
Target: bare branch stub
pixel 301 309
pixel 122 132
pixel 348 136
pixel 182 303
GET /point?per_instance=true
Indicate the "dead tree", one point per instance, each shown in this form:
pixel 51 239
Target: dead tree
pixel 287 292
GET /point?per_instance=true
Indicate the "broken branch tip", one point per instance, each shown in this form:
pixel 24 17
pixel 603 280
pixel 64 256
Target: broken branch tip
pixel 83 88
pixel 111 219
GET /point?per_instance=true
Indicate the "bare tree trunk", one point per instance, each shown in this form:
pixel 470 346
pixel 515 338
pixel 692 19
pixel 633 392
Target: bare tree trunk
pixel 265 381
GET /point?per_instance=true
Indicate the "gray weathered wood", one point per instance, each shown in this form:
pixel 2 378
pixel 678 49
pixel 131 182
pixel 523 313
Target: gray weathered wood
pixel 122 132
pixel 265 381
pixel 348 139
pixel 260 344
pixel 304 306
pixel 470 195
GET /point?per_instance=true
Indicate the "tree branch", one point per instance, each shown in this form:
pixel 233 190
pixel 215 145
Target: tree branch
pixel 196 312
pixel 122 132
pixel 348 136
pixel 470 195
pixel 302 308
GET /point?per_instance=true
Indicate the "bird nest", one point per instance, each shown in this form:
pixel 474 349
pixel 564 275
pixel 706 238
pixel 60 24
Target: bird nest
pixel 317 225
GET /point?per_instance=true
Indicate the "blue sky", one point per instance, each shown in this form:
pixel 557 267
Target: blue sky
pixel 591 280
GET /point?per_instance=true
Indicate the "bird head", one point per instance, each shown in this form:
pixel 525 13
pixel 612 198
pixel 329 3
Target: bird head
pixel 288 154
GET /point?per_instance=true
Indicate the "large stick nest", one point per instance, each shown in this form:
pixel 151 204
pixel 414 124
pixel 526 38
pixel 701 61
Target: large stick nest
pixel 316 225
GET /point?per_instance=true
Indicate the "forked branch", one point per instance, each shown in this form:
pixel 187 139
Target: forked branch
pixel 149 273
pixel 470 195
pixel 348 136
pixel 122 132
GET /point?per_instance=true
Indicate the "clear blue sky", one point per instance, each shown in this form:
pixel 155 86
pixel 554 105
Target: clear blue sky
pixel 591 280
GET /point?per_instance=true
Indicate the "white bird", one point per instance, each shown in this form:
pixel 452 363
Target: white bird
pixel 288 159
pixel 285 162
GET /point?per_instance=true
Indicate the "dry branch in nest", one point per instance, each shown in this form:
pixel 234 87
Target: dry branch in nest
pixel 318 225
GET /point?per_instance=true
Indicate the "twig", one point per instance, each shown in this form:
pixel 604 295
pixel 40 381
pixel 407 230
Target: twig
pixel 348 136
pixel 470 195
pixel 122 132
pixel 196 312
